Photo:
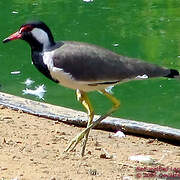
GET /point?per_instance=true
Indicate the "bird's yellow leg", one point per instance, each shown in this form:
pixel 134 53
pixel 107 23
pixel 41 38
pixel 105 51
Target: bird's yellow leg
pixel 83 98
pixel 90 111
pixel 115 106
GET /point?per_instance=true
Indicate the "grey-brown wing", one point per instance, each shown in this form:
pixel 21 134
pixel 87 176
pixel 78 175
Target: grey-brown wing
pixel 87 62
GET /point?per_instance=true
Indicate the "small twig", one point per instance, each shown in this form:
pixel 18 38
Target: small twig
pixel 107 154
pixel 125 164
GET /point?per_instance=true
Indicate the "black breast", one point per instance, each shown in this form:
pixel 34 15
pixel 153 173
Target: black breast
pixel 37 59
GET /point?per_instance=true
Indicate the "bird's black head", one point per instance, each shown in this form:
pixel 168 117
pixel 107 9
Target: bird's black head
pixel 36 33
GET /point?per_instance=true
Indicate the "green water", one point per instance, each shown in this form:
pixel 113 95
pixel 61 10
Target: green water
pixel 144 29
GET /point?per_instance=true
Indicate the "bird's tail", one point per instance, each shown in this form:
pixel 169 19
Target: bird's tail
pixel 173 74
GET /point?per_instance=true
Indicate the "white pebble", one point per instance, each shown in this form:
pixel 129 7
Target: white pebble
pixel 142 159
pixel 127 178
pixel 119 134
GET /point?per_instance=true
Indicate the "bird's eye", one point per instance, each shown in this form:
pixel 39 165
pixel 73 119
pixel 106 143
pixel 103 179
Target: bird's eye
pixel 26 28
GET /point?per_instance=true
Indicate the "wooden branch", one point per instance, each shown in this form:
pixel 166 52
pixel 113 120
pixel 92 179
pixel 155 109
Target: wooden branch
pixel 79 118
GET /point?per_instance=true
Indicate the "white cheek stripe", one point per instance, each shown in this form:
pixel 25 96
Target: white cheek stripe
pixel 41 36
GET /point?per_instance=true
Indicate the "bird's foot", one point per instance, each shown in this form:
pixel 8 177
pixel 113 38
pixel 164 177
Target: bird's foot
pixel 75 141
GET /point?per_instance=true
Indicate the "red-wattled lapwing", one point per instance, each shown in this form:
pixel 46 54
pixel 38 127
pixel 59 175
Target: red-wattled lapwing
pixel 83 67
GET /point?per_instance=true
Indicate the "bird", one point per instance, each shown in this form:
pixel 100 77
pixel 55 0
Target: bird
pixel 84 67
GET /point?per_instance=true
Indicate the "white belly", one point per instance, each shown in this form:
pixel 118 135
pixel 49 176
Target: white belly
pixel 66 79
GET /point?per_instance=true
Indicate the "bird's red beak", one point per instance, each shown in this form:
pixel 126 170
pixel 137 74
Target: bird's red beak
pixel 14 36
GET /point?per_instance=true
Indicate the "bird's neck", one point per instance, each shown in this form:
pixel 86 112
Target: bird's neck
pixel 35 45
pixel 37 59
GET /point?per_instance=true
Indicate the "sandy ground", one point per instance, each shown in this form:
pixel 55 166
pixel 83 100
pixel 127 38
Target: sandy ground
pixel 32 148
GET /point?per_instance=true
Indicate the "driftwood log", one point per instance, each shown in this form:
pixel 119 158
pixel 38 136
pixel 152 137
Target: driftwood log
pixel 79 118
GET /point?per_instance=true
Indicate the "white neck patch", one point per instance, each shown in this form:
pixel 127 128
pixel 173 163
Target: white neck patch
pixel 41 36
